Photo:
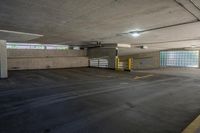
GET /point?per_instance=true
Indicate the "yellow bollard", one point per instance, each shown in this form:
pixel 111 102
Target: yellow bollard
pixel 129 64
pixel 117 63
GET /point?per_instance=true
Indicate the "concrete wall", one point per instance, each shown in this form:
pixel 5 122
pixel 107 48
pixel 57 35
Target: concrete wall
pixel 199 58
pixel 149 60
pixel 44 53
pixel 3 60
pixel 106 53
pixel 45 59
pixel 146 60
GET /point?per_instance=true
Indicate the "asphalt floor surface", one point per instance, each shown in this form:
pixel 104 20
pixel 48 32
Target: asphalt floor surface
pixel 89 100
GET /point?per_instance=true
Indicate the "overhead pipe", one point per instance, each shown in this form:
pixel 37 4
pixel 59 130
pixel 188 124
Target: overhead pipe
pixel 173 25
pixel 169 26
pixel 195 4
pixel 174 41
pixel 180 4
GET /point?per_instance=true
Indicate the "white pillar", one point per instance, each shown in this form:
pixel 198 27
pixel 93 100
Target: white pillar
pixel 3 60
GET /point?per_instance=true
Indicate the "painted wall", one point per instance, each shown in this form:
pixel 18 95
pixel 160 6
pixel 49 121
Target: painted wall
pixel 45 59
pixel 105 53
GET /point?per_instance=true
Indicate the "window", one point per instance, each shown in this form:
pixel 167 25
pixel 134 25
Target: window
pixel 36 46
pixel 179 58
pixel 24 46
pixel 98 62
pixel 58 47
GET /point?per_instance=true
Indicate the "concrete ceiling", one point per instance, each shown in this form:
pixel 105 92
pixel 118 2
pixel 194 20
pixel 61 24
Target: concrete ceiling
pixel 163 22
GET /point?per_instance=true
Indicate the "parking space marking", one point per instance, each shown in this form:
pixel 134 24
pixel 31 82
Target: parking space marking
pixel 194 127
pixel 142 77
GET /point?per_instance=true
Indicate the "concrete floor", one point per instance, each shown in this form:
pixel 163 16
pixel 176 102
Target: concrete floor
pixel 86 100
pixel 185 72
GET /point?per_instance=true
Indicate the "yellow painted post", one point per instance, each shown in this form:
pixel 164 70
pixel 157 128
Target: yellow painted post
pixel 117 63
pixel 193 127
pixel 129 64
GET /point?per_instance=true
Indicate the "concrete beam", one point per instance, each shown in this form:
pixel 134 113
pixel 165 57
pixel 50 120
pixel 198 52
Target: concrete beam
pixel 3 60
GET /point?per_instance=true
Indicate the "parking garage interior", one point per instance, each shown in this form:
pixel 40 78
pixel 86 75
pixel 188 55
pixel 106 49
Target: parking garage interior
pixel 100 66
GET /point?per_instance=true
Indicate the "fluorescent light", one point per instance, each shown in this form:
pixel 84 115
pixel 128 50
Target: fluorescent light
pixel 135 34
pixel 76 48
pixel 22 33
pixel 124 45
pixel 144 47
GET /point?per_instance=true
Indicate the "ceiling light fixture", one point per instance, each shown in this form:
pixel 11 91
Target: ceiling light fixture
pixel 22 33
pixel 123 45
pixel 135 34
pixel 144 47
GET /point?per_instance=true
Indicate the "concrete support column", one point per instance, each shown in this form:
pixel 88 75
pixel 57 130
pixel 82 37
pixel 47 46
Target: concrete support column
pixel 199 58
pixel 3 60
